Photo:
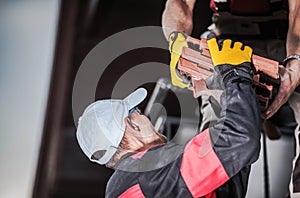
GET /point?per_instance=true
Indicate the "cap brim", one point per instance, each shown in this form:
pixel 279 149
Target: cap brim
pixel 135 98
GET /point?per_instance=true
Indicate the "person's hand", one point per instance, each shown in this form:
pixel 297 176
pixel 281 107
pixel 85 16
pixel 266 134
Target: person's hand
pixel 232 61
pixel 231 53
pixel 290 79
pixel 177 41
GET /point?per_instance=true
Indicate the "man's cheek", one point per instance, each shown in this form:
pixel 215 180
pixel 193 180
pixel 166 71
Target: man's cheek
pixel 141 120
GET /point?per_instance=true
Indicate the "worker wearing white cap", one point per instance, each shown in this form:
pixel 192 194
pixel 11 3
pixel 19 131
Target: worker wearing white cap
pixel 215 163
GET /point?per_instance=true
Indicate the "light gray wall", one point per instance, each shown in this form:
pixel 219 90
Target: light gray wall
pixel 27 39
pixel 280 154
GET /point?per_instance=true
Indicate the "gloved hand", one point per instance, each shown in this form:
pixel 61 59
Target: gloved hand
pixel 177 41
pixel 232 62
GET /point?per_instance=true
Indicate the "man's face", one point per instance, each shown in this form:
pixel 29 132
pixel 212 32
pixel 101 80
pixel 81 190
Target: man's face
pixel 141 127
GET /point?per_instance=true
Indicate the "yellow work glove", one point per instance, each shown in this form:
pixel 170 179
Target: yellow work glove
pixel 229 53
pixel 232 61
pixel 177 41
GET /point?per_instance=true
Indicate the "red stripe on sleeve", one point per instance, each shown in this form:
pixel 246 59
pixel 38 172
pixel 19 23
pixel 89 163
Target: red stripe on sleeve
pixel 211 195
pixel 201 168
pixel 134 191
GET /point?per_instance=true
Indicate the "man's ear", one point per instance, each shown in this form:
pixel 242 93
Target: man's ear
pixel 126 124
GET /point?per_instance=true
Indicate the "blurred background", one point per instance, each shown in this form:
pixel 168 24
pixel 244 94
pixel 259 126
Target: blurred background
pixel 42 46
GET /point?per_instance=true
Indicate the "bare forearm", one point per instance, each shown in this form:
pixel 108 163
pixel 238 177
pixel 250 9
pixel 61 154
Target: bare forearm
pixel 178 16
pixel 293 36
pixel 293 40
pixel 290 75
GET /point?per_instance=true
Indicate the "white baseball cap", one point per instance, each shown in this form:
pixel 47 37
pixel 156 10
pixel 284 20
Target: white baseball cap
pixel 101 126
